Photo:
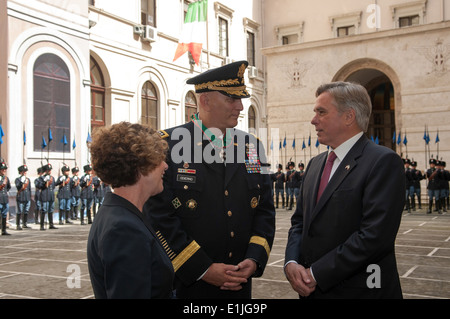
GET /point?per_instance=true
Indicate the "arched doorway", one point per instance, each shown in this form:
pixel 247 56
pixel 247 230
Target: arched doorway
pixel 383 86
pixel 381 91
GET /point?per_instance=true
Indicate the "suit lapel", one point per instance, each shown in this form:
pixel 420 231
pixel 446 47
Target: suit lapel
pixel 348 164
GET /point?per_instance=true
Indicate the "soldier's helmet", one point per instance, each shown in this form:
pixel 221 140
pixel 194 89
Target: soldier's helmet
pixel 47 167
pixel 87 168
pixel 22 168
pixel 3 165
pixel 65 168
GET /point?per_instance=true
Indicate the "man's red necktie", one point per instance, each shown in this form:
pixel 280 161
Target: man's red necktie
pixel 326 174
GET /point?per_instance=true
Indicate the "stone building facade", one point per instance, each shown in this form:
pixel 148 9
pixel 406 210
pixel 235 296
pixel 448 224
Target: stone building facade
pixel 399 50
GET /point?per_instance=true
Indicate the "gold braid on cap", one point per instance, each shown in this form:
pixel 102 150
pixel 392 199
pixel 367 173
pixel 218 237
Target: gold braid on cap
pixel 223 85
pixel 241 72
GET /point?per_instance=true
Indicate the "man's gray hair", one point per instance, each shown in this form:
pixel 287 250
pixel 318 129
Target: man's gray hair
pixel 349 95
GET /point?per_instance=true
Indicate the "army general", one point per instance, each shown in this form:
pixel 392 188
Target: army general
pixel 215 217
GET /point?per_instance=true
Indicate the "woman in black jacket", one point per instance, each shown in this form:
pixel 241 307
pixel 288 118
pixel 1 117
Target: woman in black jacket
pixel 125 257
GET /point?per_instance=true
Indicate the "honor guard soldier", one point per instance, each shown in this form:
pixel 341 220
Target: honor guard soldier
pixel 23 197
pixel 409 184
pixel 5 186
pixel 443 185
pixel 215 217
pixel 447 190
pixel 87 194
pixel 37 197
pixel 297 179
pixel 98 194
pixel 417 177
pixel 433 186
pixel 279 185
pixel 76 192
pixel 46 183
pixel 290 185
pixel 64 195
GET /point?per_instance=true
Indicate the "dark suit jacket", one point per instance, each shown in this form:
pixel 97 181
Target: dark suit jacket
pixel 353 225
pixel 125 258
pixel 209 213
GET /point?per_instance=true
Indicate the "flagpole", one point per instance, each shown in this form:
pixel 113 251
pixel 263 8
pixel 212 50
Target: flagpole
pixel 437 142
pixel 24 142
pixel 1 137
pixel 406 144
pixel 295 151
pixel 426 161
pixel 64 147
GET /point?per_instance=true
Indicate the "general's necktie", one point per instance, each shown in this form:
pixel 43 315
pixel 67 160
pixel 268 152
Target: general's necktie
pixel 326 174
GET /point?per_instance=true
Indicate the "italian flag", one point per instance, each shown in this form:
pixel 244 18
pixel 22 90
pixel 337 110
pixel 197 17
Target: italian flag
pixel 194 31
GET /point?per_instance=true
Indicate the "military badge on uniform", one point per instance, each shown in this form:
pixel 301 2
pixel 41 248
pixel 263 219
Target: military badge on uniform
pixel 176 203
pixel 254 202
pixel 252 163
pixel 191 204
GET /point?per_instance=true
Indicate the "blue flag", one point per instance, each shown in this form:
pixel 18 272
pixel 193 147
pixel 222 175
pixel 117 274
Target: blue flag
pixel 437 137
pixel 271 145
pixel 303 145
pixel 50 136
pixel 405 141
pixel 88 139
pixel 1 134
pixel 293 143
pixel 73 144
pixel 284 143
pixel 377 141
pixel 425 138
pixel 64 139
pixel 317 143
pixel 394 138
pixel 44 143
pixel 399 140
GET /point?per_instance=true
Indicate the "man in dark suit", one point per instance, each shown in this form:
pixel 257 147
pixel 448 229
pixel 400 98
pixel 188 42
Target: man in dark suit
pixel 215 217
pixel 341 243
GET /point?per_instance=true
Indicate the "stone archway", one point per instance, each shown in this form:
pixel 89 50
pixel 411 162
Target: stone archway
pixel 383 86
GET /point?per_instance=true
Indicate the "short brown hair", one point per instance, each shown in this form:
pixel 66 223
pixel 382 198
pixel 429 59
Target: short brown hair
pixel 123 151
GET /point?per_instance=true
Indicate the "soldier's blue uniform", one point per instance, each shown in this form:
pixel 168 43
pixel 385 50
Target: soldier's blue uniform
pixel 417 177
pixel 76 192
pixel 46 183
pixel 99 194
pixel 64 195
pixel 433 186
pixel 211 211
pixel 23 197
pixel 290 185
pixel 443 185
pixel 409 183
pixel 280 179
pixel 87 194
pixel 5 186
pixel 446 186
pixel 37 197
